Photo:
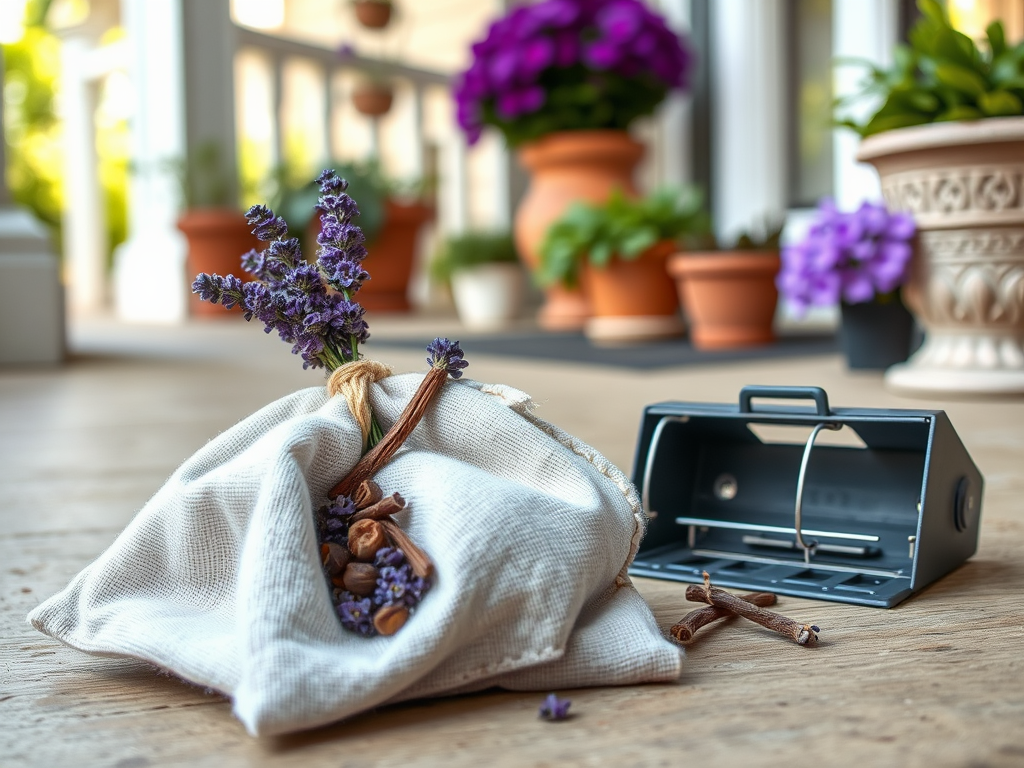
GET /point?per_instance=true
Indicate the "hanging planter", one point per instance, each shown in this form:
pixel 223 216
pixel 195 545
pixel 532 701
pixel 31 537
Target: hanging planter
pixel 373 14
pixel 373 98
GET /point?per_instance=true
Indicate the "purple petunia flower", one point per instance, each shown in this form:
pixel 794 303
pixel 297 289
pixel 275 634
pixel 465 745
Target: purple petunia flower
pixel 446 354
pixel 555 708
pixel 850 257
pixel 531 67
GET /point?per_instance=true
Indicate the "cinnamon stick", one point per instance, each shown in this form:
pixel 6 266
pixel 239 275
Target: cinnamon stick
pixel 799 633
pixel 687 627
pixel 386 507
pixel 416 557
pixel 383 451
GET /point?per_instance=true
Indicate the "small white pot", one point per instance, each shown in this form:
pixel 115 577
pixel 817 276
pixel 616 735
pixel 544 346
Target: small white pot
pixel 488 296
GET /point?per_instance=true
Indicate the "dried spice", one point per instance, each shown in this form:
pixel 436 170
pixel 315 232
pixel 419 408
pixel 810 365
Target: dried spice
pixel 687 627
pixel 802 634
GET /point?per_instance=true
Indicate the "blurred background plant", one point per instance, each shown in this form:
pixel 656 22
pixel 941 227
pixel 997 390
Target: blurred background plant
pixel 471 249
pixel 34 133
pixel 620 228
pixel 942 75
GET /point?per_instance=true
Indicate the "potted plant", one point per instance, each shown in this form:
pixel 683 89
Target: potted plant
pixel 858 259
pixel 217 233
pixel 373 95
pixel 948 143
pixel 373 14
pixel 485 276
pixel 617 252
pixel 729 293
pixel 563 80
pixel 391 217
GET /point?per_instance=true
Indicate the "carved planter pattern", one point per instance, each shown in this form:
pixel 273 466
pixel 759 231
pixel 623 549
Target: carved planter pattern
pixel 964 184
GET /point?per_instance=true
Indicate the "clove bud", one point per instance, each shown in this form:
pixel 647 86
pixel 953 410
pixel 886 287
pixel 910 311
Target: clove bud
pixel 390 618
pixel 360 579
pixel 365 537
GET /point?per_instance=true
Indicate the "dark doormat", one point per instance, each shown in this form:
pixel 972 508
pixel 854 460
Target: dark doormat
pixel 575 348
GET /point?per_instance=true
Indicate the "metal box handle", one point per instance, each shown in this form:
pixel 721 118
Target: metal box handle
pixel 817 394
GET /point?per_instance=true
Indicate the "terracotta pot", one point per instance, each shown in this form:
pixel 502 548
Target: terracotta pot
pixel 565 167
pixel 372 15
pixel 217 239
pixel 961 182
pixel 372 99
pixel 390 257
pixel 729 296
pixel 633 300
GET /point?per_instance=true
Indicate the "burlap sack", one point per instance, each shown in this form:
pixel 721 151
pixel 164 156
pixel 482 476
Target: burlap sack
pixel 218 578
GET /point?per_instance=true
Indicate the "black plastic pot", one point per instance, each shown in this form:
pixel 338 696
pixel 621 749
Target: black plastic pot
pixel 875 336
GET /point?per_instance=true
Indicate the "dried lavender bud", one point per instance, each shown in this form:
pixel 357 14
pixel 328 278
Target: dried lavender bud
pixel 333 519
pixel 365 539
pixel 360 579
pixel 392 556
pixel 448 355
pixel 390 619
pixel 392 585
pixel 266 226
pixel 555 708
pixel 335 557
pixel 356 616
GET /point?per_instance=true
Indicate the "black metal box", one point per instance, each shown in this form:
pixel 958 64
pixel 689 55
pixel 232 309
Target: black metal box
pixel 762 498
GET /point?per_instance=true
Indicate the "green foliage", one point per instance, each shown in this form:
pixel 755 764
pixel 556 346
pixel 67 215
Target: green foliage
pixel 202 178
pixel 32 130
pixel 765 237
pixel 471 249
pixel 621 228
pixel 942 75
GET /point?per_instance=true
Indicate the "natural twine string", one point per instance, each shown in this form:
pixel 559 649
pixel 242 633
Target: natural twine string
pixel 352 381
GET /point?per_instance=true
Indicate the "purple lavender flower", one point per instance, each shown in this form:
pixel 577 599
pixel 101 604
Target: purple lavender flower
pixel 555 708
pixel 266 226
pixel 850 257
pixel 392 585
pixel 389 556
pixel 357 616
pixel 333 519
pixel 446 354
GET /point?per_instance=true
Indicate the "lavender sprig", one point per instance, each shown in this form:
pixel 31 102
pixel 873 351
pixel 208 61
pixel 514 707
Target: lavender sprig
pixel 292 297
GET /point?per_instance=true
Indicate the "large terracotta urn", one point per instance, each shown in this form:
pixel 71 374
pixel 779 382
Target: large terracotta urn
pixel 565 167
pixel 217 239
pixel 963 184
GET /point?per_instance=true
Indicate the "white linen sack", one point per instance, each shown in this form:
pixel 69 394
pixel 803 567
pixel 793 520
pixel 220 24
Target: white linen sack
pixel 218 578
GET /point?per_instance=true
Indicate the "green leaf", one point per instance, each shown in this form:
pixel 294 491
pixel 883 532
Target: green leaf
pixel 933 11
pixel 638 242
pixel 961 79
pixel 996 38
pixel 960 112
pixel 1000 104
pixel 601 253
pixel 892 122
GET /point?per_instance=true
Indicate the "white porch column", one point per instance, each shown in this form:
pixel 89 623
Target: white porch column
pixel 865 29
pixel 182 68
pixel 149 267
pixel 84 214
pixel 748 128
pixel 671 149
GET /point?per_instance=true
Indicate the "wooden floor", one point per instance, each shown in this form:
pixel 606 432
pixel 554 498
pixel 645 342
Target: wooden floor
pixel 938 681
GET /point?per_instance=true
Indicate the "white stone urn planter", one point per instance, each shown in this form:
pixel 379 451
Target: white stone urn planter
pixel 488 296
pixel 964 184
